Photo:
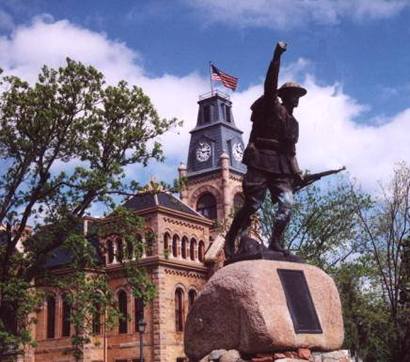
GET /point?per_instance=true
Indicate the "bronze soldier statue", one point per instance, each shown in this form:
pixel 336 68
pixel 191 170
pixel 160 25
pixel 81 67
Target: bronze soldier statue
pixel 270 156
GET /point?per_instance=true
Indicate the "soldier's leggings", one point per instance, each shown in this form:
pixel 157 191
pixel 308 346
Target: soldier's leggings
pixel 255 185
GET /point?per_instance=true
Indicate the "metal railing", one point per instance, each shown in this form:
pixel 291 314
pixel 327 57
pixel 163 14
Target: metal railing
pixel 214 93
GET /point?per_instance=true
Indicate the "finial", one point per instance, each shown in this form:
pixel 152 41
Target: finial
pixel 153 186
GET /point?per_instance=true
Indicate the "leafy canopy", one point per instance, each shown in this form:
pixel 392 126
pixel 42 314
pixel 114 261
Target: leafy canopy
pixel 65 143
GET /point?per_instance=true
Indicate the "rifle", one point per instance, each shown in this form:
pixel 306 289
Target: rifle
pixel 311 178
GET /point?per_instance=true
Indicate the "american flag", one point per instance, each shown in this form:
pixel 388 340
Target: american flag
pixel 227 80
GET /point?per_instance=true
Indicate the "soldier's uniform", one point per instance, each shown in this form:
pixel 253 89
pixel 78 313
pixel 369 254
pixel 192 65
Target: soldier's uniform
pixel 271 159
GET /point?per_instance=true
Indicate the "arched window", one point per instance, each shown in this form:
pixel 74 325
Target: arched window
pixel 206 206
pixel 179 310
pixel 139 247
pixel 97 319
pixel 175 241
pixel 65 317
pixel 207 113
pixel 226 114
pixel 130 250
pixel 238 201
pixel 120 251
pixel 184 244
pixel 51 316
pixel 201 251
pixel 138 311
pixel 123 309
pixel 110 251
pixel 167 239
pixel 192 249
pixel 191 297
pixel 149 243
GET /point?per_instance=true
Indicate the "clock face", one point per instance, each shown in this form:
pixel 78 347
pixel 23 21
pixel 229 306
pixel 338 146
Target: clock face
pixel 237 151
pixel 203 152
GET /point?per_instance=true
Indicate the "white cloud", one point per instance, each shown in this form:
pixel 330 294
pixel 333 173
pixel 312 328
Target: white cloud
pixel 49 42
pixel 291 13
pixel 329 136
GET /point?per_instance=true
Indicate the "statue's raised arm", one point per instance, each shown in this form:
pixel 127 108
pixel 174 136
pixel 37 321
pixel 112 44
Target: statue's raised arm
pixel 271 81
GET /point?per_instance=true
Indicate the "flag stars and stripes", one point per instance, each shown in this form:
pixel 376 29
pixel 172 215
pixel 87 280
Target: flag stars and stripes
pixel 227 80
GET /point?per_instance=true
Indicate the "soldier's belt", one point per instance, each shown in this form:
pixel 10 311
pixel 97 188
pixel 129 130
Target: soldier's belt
pixel 270 144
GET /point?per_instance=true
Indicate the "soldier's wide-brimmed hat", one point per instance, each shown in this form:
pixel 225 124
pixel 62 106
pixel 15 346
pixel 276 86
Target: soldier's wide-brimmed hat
pixel 292 88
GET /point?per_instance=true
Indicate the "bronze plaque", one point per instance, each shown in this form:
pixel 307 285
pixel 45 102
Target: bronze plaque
pixel 300 303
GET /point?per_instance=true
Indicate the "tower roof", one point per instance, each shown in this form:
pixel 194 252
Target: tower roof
pixel 149 200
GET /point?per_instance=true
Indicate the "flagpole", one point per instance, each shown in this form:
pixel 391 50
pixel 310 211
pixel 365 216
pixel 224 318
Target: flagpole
pixel 210 78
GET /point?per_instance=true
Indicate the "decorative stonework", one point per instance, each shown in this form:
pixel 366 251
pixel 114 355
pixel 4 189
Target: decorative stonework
pixel 179 222
pixel 201 190
pixel 200 180
pixel 237 190
pixel 185 274
pixel 235 177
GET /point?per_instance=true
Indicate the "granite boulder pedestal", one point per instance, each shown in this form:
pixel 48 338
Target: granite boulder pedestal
pixel 262 306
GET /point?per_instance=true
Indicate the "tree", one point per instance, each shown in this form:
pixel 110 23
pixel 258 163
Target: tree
pixel 64 145
pixel 365 314
pixel 387 230
pixel 324 228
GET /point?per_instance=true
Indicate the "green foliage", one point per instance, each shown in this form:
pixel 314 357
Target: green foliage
pixel 65 142
pixel 324 228
pixel 368 328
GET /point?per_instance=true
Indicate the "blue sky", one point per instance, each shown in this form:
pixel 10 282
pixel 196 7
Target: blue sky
pixel 352 55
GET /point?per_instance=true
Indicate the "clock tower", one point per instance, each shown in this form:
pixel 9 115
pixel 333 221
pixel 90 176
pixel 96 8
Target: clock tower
pixel 214 170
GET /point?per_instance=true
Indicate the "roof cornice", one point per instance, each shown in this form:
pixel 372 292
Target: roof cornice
pixel 171 212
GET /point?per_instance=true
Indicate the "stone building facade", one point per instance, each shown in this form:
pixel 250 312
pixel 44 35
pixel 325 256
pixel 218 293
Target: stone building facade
pixel 181 258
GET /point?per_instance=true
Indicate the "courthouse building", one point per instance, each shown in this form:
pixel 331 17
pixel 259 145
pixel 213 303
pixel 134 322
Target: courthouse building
pixel 180 259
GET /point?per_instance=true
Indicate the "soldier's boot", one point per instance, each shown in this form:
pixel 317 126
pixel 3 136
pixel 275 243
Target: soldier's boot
pixel 241 221
pixel 275 245
pixel 275 241
pixel 229 248
pixel 282 219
